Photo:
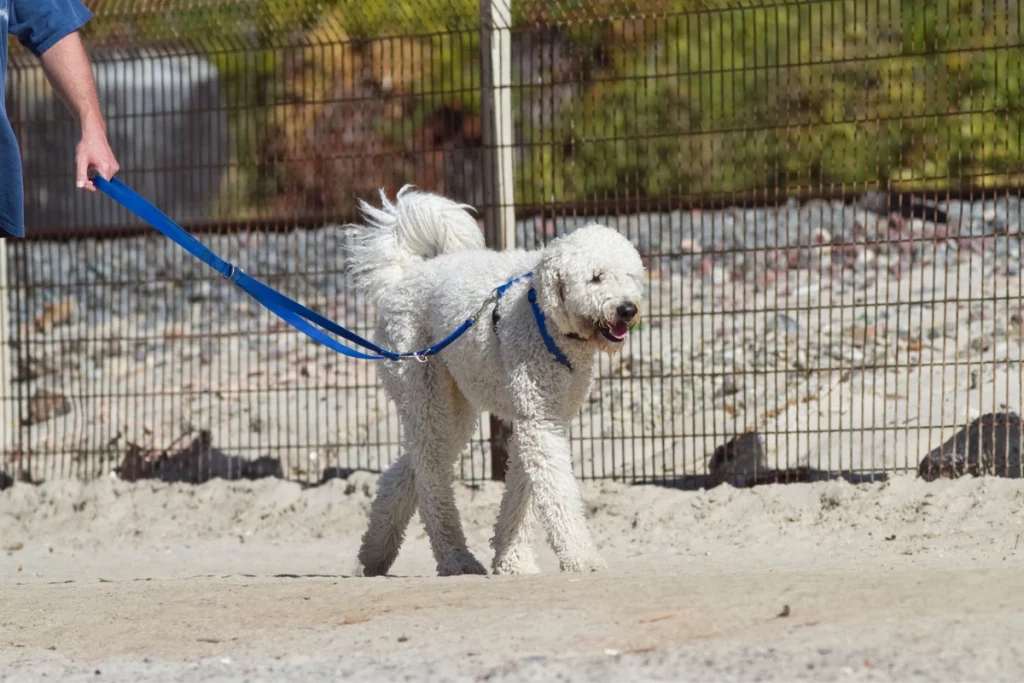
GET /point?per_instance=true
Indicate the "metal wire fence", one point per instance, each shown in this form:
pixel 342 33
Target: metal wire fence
pixel 826 194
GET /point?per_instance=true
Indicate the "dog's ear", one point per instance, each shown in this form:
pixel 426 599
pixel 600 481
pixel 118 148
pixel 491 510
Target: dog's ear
pixel 552 289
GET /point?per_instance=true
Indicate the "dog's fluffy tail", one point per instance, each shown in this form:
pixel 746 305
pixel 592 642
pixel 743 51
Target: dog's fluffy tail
pixel 416 227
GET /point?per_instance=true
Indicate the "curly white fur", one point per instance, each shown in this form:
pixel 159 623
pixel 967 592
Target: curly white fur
pixel 423 261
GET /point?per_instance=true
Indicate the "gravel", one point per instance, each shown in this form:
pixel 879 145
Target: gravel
pixel 747 309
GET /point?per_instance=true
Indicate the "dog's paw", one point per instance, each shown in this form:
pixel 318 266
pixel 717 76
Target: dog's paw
pixel 512 566
pixel 370 571
pixel 589 563
pixel 459 562
pixel 372 564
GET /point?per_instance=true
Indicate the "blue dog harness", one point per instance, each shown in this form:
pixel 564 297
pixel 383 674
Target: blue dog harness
pixel 538 315
pixel 295 314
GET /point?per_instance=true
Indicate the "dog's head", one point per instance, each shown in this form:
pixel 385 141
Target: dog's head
pixel 590 284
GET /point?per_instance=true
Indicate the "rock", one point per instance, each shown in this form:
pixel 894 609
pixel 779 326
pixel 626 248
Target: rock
pixel 865 257
pixel 196 463
pixel 263 467
pixel 199 291
pixel 45 405
pixel 55 313
pixel 727 388
pixel 861 334
pixel 989 445
pixel 742 455
pixel 689 246
pixel 787 325
pixel 742 462
pixel 905 205
pixel 846 353
pixel 336 473
pixel 29 369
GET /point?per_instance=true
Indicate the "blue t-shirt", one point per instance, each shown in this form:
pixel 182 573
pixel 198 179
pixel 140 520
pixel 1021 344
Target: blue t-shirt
pixel 37 24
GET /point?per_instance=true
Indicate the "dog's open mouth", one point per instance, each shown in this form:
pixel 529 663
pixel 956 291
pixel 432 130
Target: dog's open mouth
pixel 616 333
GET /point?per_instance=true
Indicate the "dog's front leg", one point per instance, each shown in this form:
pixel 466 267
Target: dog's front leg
pixel 513 553
pixel 543 447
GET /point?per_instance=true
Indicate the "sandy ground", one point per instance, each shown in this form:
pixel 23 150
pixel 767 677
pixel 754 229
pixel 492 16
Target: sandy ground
pixel 252 581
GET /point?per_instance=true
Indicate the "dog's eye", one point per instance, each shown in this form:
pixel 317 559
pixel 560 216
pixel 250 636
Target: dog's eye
pixel 596 279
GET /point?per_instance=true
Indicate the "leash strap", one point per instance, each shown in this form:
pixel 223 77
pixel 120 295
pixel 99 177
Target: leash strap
pixel 288 310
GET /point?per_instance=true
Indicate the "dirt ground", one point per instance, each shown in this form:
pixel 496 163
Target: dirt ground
pixel 252 581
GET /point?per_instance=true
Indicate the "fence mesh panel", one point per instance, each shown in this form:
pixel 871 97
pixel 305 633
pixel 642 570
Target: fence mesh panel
pixel 826 194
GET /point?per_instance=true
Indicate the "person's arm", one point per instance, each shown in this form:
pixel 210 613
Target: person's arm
pixel 67 68
pixel 48 29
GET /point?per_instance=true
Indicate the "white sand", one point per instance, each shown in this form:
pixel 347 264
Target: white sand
pixel 250 581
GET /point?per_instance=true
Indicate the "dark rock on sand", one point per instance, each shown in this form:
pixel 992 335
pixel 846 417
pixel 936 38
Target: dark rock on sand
pixel 989 445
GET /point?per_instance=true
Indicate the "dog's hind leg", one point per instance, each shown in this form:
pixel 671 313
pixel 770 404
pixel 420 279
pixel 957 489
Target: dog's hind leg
pixel 390 513
pixel 438 427
pixel 513 553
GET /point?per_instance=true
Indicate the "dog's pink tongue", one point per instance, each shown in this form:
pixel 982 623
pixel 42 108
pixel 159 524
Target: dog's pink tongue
pixel 620 331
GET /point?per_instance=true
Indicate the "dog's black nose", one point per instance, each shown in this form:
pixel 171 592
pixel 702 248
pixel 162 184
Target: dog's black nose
pixel 626 310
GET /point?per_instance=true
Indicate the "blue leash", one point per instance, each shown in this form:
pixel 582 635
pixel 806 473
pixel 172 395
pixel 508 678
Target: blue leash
pixel 292 312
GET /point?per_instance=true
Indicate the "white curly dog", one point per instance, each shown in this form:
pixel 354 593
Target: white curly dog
pixel 529 360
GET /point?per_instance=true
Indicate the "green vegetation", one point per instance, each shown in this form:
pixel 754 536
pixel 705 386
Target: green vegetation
pixel 656 98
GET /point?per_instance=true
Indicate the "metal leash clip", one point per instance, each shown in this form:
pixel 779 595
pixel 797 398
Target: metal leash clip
pixel 488 302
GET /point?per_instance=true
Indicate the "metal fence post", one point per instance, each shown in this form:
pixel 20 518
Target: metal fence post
pixel 7 408
pixel 499 198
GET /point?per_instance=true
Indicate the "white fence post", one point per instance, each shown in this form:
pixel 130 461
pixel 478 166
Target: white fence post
pixel 499 190
pixel 496 109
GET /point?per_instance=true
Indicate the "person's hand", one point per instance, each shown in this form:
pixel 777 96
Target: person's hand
pixel 93 152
